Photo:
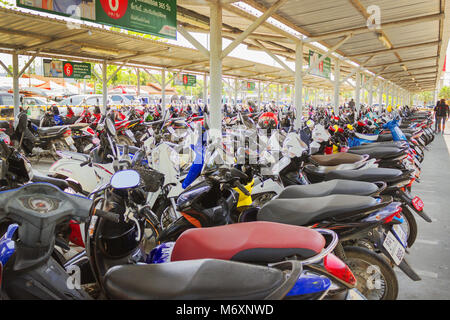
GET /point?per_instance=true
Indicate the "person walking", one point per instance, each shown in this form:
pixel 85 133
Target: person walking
pixel 441 114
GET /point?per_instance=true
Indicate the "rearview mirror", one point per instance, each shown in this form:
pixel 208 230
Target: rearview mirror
pixel 125 179
pixel 110 126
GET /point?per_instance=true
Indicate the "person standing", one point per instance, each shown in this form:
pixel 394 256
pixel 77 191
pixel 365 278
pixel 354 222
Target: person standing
pixel 351 104
pixel 441 113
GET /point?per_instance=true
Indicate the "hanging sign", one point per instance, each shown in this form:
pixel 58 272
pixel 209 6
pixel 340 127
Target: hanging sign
pixel 188 80
pixel 248 86
pixel 321 69
pixel 66 69
pixel 156 17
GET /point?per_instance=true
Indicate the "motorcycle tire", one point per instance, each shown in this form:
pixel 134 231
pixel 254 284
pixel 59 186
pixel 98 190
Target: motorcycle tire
pixel 357 258
pixel 124 140
pixel 412 225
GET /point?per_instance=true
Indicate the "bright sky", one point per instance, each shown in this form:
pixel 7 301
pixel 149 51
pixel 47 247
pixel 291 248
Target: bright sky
pixel 240 52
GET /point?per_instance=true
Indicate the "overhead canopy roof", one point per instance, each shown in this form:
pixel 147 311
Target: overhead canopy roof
pixel 53 37
pixel 408 48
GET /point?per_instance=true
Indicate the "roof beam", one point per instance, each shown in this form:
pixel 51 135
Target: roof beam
pixel 6 68
pixel 139 55
pixel 360 30
pixel 258 22
pixel 414 46
pixel 193 41
pixel 402 62
pixel 274 57
pixel 413 69
pixel 55 41
pixel 357 69
pixel 330 51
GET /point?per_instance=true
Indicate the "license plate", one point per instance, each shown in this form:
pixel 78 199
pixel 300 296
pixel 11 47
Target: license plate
pixel 69 141
pixel 129 133
pixel 401 234
pixel 417 203
pixel 394 248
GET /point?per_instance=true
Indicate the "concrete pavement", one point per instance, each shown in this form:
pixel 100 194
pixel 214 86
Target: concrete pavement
pixel 430 255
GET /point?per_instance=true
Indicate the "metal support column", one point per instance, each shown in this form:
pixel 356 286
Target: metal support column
pixel 278 96
pixel 371 92
pixel 105 86
pixel 298 100
pixel 138 75
pixel 205 89
pixel 236 90
pixel 16 93
pixel 380 97
pixel 215 71
pixel 358 91
pixel 337 82
pixel 163 92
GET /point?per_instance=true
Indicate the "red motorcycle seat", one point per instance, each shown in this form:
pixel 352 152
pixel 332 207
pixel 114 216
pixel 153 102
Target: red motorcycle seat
pixel 255 242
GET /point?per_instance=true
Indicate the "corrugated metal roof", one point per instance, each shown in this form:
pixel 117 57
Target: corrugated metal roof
pixel 404 23
pixel 19 31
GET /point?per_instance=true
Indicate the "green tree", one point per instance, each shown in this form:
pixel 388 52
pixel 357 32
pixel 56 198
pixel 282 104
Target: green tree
pixel 427 97
pixel 445 93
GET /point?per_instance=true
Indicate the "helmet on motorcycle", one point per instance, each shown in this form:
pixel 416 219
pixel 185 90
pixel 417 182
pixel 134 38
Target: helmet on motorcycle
pixel 268 120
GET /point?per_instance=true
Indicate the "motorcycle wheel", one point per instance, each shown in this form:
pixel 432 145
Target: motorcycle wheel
pixel 59 145
pixel 410 225
pixel 376 279
pixel 124 140
pixel 260 199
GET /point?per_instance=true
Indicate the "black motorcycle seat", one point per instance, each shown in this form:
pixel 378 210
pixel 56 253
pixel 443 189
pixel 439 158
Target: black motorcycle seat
pixel 388 137
pixel 51 131
pixel 384 144
pixel 35 121
pixel 78 126
pixel 204 279
pixel 335 159
pixel 4 124
pixel 326 188
pixel 379 152
pixel 302 212
pixel 368 175
pixel 60 183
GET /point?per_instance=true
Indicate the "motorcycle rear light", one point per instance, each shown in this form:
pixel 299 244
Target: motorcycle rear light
pixel 339 269
pixel 90 131
pixel 67 133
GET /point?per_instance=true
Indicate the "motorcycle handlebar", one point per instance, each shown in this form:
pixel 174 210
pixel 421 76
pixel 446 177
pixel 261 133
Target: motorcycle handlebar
pixel 241 187
pixel 107 215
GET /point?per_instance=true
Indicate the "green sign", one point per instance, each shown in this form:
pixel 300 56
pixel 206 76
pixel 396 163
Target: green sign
pixel 321 69
pixel 157 17
pixel 187 80
pixel 66 69
pixel 249 86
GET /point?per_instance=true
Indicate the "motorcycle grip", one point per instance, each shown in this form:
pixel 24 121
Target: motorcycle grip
pixel 107 215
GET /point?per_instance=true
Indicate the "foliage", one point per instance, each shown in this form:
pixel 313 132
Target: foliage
pixel 445 93
pixel 427 97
